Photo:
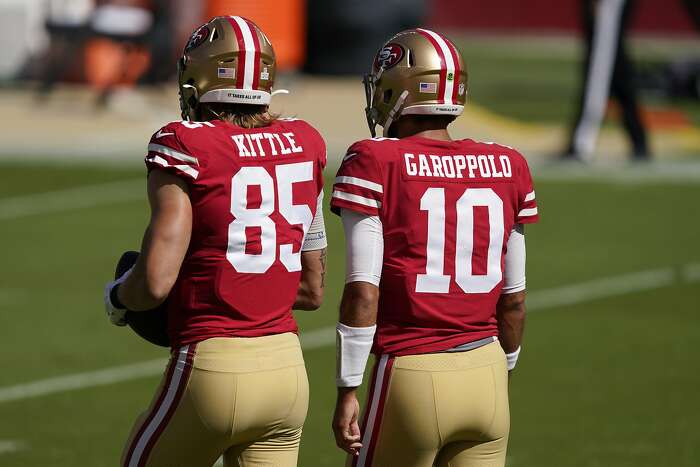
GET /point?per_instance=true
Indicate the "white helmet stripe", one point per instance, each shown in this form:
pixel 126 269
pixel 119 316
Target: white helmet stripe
pixel 249 66
pixel 450 65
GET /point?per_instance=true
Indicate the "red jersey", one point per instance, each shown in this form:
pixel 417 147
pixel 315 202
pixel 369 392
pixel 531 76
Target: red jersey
pixel 254 194
pixel 447 210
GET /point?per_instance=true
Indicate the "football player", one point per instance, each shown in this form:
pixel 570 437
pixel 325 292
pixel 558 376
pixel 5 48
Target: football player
pixel 435 283
pixel 236 240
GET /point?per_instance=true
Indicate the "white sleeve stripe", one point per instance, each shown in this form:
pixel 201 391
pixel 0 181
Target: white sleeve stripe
pixel 183 168
pixel 356 199
pixel 360 182
pixel 530 196
pixel 527 212
pixel 166 151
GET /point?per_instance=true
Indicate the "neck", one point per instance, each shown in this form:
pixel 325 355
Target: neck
pixel 441 134
pixel 424 126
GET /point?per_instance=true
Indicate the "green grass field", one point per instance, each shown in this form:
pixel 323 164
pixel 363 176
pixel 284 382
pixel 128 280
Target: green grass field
pixel 608 381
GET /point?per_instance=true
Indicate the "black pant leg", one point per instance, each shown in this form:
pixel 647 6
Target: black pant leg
pixel 587 18
pixel 624 89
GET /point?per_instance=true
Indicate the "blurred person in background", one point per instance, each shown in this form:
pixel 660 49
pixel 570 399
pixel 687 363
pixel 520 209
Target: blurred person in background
pixel 607 71
pixel 235 242
pixel 118 52
pixel 161 44
pixel 67 24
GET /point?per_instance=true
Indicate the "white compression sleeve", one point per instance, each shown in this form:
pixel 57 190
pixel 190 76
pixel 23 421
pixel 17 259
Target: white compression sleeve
pixel 316 236
pixel 514 277
pixel 364 247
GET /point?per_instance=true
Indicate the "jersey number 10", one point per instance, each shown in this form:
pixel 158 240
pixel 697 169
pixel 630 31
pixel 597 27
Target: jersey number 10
pixel 434 280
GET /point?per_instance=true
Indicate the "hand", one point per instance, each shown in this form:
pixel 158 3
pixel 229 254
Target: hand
pixel 345 426
pixel 116 315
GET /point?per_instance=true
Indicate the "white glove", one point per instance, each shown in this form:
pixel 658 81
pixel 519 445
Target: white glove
pixel 117 316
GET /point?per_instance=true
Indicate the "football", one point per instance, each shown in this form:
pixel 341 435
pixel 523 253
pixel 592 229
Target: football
pixel 151 325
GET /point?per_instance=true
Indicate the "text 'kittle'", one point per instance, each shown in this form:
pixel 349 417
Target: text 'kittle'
pixel 266 144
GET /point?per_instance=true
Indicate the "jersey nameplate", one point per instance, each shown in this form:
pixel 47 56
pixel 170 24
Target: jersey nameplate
pixel 456 167
pixel 266 144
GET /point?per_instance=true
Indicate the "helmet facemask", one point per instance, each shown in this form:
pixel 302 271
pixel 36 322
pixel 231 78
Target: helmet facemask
pixel 370 112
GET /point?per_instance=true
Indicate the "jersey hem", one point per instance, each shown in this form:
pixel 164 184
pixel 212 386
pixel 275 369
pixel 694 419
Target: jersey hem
pixel 435 347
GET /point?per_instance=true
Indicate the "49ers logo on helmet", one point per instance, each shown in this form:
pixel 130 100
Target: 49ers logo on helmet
pixel 197 37
pixel 388 56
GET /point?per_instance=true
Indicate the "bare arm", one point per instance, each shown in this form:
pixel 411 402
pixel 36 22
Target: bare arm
pixel 510 314
pixel 358 307
pixel 510 309
pixel 357 321
pixel 164 245
pixel 313 273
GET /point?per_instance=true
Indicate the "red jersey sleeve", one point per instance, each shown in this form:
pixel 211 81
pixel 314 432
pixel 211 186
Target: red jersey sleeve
pixel 527 204
pixel 359 182
pixel 166 151
pixel 319 148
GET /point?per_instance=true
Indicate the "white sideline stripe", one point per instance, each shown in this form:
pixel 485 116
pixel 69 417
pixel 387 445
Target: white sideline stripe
pixel 691 273
pixel 573 294
pixel 602 288
pixel 82 380
pixel 72 198
pixel 88 196
pixel 361 182
pixel 310 340
pixel 356 199
pixel 166 151
pixel 11 445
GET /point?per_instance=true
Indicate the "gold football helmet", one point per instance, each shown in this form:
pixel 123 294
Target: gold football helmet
pixel 229 60
pixel 417 71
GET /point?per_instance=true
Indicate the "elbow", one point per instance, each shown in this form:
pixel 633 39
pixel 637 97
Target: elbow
pixel 512 304
pixel 315 298
pixel 157 290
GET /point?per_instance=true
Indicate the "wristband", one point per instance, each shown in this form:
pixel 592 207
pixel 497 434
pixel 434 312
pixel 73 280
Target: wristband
pixel 512 358
pixel 114 298
pixel 352 346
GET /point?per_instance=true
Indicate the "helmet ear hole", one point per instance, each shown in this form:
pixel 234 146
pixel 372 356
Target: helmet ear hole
pixel 387 96
pixel 214 35
pixel 411 58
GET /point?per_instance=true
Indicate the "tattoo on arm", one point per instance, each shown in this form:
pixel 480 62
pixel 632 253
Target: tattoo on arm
pixel 324 253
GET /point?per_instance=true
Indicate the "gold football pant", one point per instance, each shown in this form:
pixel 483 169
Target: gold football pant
pixel 243 398
pixel 438 409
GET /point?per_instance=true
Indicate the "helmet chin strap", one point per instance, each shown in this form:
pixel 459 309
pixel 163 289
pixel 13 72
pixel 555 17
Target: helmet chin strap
pixel 189 108
pixel 368 81
pixel 216 114
pixel 394 112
